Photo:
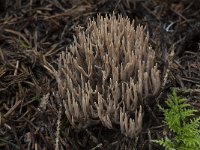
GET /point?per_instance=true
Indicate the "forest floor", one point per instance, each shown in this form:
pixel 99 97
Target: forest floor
pixel 35 32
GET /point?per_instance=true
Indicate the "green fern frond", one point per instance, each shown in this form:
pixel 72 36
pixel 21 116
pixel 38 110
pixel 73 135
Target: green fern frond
pixel 167 143
pixel 177 118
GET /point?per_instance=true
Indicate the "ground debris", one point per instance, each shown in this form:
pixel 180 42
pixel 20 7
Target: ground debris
pixel 32 35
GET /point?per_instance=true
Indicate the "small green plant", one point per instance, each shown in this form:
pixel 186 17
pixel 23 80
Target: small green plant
pixel 178 118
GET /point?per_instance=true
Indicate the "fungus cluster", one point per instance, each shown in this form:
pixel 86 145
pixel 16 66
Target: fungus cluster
pixel 105 74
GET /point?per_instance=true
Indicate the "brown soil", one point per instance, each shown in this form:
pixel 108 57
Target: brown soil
pixel 33 33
